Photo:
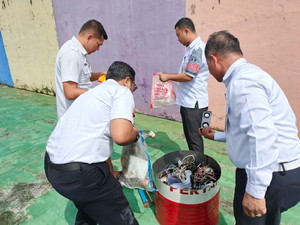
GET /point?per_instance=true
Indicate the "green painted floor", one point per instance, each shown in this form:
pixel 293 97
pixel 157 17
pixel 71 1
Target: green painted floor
pixel 26 121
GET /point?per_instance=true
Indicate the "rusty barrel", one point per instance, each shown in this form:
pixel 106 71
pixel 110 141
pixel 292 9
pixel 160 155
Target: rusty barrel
pixel 180 206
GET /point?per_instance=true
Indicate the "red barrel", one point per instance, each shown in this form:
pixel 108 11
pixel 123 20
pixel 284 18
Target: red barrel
pixel 179 206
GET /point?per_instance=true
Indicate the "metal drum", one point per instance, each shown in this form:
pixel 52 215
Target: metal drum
pixel 180 206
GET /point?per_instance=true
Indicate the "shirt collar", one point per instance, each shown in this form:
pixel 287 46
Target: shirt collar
pixel 190 46
pixel 79 45
pixel 229 73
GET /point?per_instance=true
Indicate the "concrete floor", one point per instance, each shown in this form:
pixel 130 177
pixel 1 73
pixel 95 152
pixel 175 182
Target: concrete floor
pixel 26 121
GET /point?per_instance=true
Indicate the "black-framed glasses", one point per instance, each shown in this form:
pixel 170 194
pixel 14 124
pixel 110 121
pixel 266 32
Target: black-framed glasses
pixel 134 86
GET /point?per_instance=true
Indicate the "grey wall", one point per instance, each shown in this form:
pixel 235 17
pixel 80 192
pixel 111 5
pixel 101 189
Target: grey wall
pixel 140 32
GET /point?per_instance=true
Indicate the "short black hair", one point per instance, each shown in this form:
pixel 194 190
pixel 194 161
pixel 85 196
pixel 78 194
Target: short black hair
pixel 222 43
pixel 185 23
pixel 119 70
pixel 95 27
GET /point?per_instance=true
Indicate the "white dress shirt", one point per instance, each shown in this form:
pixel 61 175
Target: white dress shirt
pixel 260 126
pixel 71 65
pixel 193 64
pixel 83 133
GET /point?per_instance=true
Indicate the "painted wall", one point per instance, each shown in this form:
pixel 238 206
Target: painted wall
pixel 140 33
pixel 269 35
pixel 5 75
pixel 29 37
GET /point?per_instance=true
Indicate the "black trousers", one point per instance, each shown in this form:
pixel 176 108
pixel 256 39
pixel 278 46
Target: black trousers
pixel 191 121
pixel 95 192
pixel 282 194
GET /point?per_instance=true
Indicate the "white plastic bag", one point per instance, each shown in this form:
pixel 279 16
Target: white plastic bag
pixel 136 166
pixel 162 93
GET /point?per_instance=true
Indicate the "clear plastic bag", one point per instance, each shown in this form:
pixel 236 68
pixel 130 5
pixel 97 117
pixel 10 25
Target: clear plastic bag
pixel 136 165
pixel 162 93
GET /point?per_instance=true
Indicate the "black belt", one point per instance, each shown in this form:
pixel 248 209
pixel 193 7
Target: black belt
pixel 67 166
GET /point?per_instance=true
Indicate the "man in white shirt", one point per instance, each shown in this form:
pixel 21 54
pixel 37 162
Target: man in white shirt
pixel 261 135
pixel 77 161
pixel 191 83
pixel 73 74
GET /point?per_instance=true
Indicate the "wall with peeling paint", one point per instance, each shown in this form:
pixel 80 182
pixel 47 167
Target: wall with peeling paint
pixel 140 33
pixel 30 41
pixel 269 35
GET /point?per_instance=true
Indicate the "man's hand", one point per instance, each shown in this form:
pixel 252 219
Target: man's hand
pixel 111 168
pixel 207 132
pixel 254 207
pixel 178 77
pixel 163 77
pixel 95 76
pixel 116 173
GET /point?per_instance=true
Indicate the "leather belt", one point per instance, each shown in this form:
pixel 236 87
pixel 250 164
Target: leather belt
pixel 66 166
pixel 281 167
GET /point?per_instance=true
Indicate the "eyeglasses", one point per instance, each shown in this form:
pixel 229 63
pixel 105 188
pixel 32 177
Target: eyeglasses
pixel 134 86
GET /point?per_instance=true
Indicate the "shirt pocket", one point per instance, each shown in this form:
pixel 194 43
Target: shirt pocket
pixel 85 73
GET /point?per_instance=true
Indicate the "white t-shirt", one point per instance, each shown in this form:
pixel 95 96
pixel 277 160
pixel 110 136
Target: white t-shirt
pixel 71 65
pixel 194 65
pixel 83 133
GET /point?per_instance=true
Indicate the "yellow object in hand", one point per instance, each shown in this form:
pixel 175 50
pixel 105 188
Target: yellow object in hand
pixel 102 78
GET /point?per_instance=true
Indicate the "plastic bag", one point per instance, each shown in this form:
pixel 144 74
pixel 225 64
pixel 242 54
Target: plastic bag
pixel 162 93
pixel 136 166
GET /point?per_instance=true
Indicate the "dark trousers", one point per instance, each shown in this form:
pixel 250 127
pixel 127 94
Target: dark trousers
pixel 95 192
pixel 191 121
pixel 282 194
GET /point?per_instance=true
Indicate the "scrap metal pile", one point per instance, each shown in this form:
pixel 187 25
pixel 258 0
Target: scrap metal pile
pixel 187 174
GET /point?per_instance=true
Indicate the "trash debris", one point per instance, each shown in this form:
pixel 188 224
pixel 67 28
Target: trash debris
pixel 151 134
pixel 188 175
pixel 136 165
pixel 184 184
